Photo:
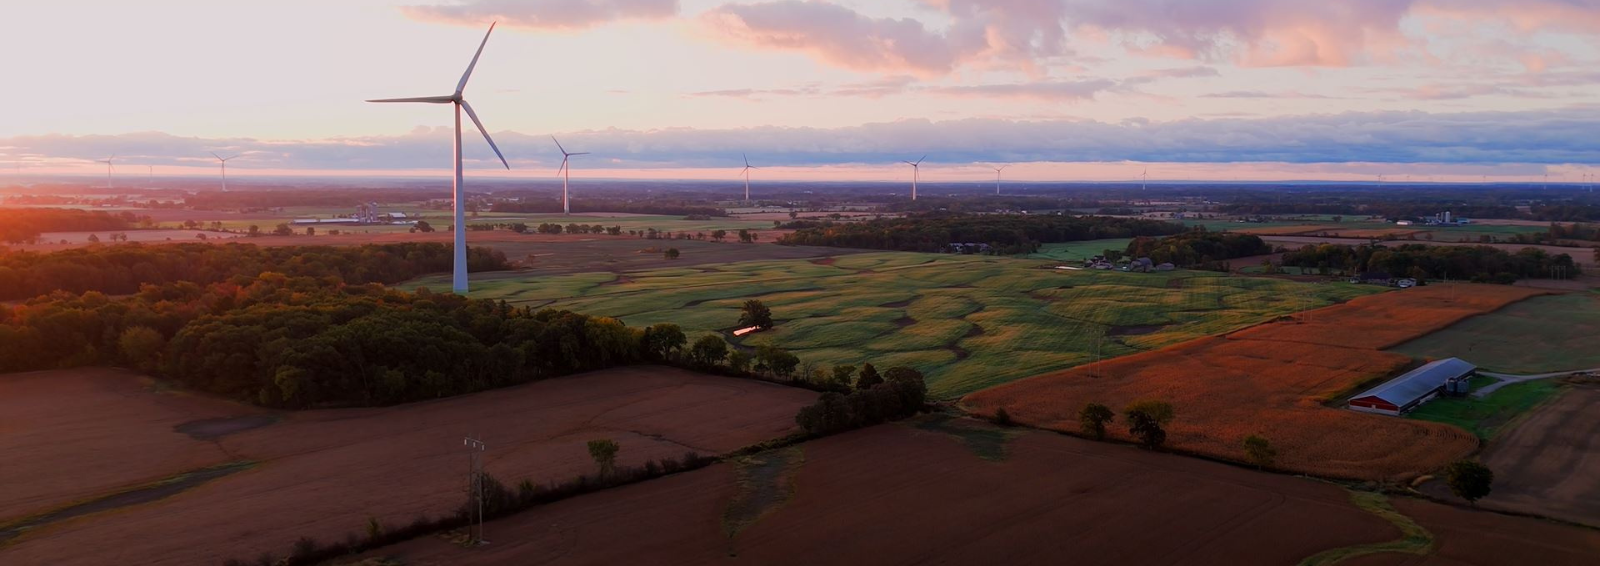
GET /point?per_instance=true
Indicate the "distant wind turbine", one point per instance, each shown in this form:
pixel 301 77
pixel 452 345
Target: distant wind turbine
pixel 997 171
pixel 916 171
pixel 152 180
pixel 107 161
pixel 1144 180
pixel 746 173
pixel 458 280
pixel 566 205
pixel 224 162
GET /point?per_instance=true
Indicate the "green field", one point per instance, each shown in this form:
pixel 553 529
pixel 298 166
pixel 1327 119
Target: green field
pixel 1539 335
pixel 968 322
pixel 1487 416
pixel 1079 251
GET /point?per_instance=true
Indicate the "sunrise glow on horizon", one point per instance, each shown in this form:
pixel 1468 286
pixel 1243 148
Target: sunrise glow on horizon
pixel 1070 90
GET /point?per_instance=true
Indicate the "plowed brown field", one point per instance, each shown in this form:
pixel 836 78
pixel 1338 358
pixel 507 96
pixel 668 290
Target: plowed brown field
pixel 896 494
pixel 320 472
pixel 1273 380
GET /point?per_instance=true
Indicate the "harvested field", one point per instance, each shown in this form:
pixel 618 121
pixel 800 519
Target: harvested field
pixel 1284 230
pixel 920 310
pixel 1273 380
pixel 867 497
pixel 325 472
pixel 1474 538
pixel 61 432
pixel 1376 233
pixel 1384 321
pixel 1550 463
pixel 1539 335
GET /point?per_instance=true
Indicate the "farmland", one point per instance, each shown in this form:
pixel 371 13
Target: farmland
pixel 324 471
pixel 967 322
pixel 1549 464
pixel 1542 334
pixel 1489 415
pixel 1000 496
pixel 1274 380
pixel 1079 251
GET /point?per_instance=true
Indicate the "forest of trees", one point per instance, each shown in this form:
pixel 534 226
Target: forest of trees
pixel 1004 234
pixel 22 225
pixel 1198 248
pixel 122 269
pixel 1474 263
pixel 299 342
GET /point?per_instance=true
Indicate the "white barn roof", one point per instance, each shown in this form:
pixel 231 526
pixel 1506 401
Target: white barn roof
pixel 1401 391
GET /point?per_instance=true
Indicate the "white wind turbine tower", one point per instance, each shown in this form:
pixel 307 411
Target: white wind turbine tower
pixel 1144 180
pixel 459 277
pixel 746 173
pixel 997 171
pixel 566 205
pixel 107 161
pixel 224 162
pixel 916 171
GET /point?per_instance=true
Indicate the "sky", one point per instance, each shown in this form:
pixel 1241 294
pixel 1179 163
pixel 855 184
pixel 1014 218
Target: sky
pixel 828 90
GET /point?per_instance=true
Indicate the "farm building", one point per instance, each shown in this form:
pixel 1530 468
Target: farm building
pixel 1402 394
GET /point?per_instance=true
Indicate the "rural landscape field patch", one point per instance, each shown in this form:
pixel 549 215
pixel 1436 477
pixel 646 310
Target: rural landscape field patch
pixel 1542 334
pixel 967 322
pixel 323 473
pixel 1274 380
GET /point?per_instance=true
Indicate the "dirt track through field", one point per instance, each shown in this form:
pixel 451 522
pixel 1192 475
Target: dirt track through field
pixel 323 473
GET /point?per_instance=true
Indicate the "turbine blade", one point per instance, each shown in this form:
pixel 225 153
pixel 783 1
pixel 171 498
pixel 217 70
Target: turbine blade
pixel 426 99
pixel 563 166
pixel 214 154
pixel 474 116
pixel 746 159
pixel 924 158
pixel 558 146
pixel 461 86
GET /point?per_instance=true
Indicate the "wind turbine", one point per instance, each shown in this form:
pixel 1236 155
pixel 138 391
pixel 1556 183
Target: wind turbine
pixel 916 170
pixel 224 162
pixel 107 161
pixel 997 177
pixel 566 205
pixel 151 181
pixel 1144 179
pixel 459 277
pixel 746 173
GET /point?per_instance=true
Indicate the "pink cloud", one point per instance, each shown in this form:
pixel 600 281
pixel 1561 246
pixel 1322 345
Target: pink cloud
pixel 838 36
pixel 544 14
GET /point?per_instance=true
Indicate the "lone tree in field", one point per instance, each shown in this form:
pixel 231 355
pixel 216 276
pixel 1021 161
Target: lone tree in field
pixel 1469 480
pixel 869 377
pixel 604 452
pixel 755 314
pixel 1145 419
pixel 1093 419
pixel 1259 451
pixel 672 253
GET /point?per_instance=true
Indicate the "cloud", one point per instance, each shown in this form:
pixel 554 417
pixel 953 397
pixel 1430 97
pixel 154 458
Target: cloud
pixel 1034 34
pixel 1048 91
pixel 543 14
pixel 1541 137
pixel 837 35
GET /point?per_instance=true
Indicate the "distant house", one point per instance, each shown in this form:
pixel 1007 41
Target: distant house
pixel 1402 394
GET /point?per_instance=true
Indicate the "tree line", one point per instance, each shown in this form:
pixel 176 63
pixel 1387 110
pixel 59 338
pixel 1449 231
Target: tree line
pixel 1483 264
pixel 1198 248
pixel 123 269
pixel 553 206
pixel 1001 233
pixel 25 225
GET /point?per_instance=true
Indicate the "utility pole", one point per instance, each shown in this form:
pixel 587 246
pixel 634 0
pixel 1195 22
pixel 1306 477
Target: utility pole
pixel 475 450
